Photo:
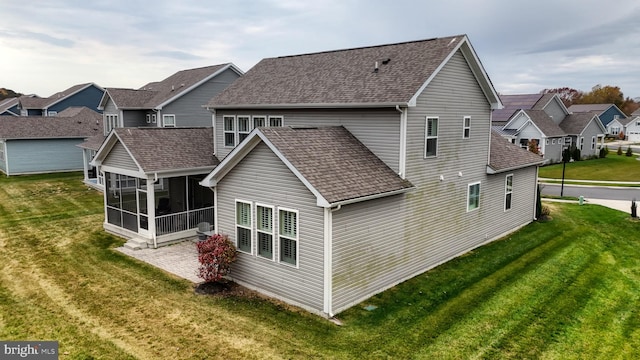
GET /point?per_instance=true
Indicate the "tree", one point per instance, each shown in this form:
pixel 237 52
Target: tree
pixel 567 95
pixel 629 152
pixel 603 95
pixel 533 146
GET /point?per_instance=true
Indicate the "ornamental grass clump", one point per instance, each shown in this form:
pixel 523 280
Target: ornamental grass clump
pixel 215 255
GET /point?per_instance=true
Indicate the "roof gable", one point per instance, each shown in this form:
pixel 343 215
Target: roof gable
pixel 29 102
pixel 335 166
pixel 576 123
pixel 384 75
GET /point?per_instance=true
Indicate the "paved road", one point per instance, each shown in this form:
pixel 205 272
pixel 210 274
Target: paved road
pixel 595 192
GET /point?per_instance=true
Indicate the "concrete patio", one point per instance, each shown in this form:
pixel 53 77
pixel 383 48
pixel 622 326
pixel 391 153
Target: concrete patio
pixel 179 259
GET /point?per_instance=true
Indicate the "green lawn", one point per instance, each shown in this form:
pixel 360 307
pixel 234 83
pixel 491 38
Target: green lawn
pixel 568 288
pixel 612 168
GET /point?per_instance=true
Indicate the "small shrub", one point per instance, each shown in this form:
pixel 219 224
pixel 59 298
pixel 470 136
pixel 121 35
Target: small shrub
pixel 545 211
pixel 621 135
pixel 619 152
pixel 533 146
pixel 575 154
pixel 629 152
pixel 215 255
pixel 603 153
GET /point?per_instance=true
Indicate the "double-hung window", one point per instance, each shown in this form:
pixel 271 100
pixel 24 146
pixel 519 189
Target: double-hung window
pixel 244 127
pixel 473 196
pixel 264 227
pixel 508 191
pixel 169 120
pixel 229 131
pixel 111 121
pixel 431 137
pixel 288 231
pixel 148 118
pixel 466 127
pixel 593 142
pixel 259 121
pixel 243 226
pixel 275 121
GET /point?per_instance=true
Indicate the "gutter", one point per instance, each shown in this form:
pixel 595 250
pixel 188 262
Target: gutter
pixel 339 204
pixel 308 106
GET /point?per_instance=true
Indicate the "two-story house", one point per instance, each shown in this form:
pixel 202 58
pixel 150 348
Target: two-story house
pixel 347 172
pixel 158 147
pixel 82 95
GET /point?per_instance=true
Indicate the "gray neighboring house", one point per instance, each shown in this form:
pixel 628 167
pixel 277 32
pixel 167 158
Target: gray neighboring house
pixel 543 119
pixel 81 95
pixel 37 144
pixel 347 172
pixel 176 101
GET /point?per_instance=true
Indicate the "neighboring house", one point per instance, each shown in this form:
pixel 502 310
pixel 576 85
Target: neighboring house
pixel 159 141
pixel 9 106
pixel 347 172
pixel 632 129
pixel 87 95
pixel 36 144
pixel 176 101
pixel 544 120
pixel 606 112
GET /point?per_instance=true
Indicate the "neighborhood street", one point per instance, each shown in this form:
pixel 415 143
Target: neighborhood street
pixel 594 192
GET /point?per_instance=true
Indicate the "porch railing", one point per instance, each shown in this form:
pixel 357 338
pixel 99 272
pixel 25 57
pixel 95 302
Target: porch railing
pixel 181 221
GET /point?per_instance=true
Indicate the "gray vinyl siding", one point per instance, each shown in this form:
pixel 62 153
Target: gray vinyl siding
pixel 555 111
pixel 43 156
pixel 189 110
pixel 553 152
pixel 591 130
pixel 378 129
pixel 120 158
pixel 261 177
pixel 530 132
pixel 110 107
pixel 432 220
pixel 135 118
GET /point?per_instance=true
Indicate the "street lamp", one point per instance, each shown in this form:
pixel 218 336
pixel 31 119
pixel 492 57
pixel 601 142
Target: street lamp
pixel 565 156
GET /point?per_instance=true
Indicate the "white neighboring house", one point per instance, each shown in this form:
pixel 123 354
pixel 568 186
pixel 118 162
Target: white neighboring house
pixel 632 128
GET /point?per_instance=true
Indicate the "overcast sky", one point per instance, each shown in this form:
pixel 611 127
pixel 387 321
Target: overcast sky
pixel 525 46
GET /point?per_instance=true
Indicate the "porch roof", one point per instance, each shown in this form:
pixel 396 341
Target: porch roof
pixel 505 156
pixel 167 149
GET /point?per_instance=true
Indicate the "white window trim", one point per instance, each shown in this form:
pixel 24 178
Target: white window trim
pixel 581 143
pixel 148 118
pixel 593 143
pixel 253 121
pixel 427 137
pixel 274 248
pixel 507 191
pixel 246 132
pixel 469 195
pixel 232 131
pixel 297 265
pixel 154 118
pixel 167 116
pixel 466 129
pixel 275 117
pixel 250 227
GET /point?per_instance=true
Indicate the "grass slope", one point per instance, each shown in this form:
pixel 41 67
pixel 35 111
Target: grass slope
pixel 563 289
pixel 612 168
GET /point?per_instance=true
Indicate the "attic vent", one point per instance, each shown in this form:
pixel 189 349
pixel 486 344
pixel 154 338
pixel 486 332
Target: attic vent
pixel 386 61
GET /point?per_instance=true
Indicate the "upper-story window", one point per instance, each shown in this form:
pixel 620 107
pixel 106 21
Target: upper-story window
pixel 169 120
pixel 229 130
pixel 244 127
pixel 259 121
pixel 275 121
pixel 110 122
pixel 466 127
pixel 431 137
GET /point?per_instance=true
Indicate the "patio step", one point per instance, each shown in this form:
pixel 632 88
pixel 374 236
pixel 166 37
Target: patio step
pixel 136 244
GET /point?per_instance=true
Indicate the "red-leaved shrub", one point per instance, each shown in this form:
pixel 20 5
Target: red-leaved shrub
pixel 215 255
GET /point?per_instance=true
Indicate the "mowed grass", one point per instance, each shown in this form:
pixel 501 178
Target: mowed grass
pixel 568 288
pixel 611 168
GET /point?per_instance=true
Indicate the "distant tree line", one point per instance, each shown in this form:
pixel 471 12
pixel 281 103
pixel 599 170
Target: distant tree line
pixel 598 95
pixel 7 93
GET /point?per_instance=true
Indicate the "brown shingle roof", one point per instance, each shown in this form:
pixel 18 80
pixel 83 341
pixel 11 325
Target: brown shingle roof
pixel 93 143
pixel 589 107
pixel 29 102
pixel 156 93
pixel 341 77
pixel 506 156
pixel 511 104
pixel 575 123
pixel 75 123
pixel 163 149
pixel 545 123
pixel 334 162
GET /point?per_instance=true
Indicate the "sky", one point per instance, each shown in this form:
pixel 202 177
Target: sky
pixel 525 46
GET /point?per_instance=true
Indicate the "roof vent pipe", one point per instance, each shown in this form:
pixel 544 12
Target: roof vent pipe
pixel 375 69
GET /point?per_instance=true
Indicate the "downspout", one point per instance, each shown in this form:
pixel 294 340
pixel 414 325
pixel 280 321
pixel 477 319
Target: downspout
pixel 328 259
pixel 403 142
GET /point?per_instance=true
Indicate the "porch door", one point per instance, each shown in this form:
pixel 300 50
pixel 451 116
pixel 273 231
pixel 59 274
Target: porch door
pixel 143 214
